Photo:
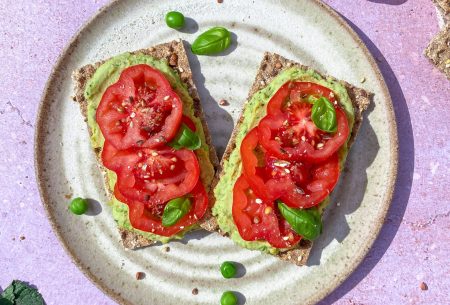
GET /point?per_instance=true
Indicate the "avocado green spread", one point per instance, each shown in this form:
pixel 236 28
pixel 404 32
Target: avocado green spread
pixel 255 109
pixel 107 74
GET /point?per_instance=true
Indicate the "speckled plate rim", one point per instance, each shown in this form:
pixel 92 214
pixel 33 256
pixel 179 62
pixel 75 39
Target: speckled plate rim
pixel 39 155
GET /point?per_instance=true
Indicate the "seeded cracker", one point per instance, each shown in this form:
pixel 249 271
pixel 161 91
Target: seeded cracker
pixel 271 65
pixel 443 7
pixel 175 54
pixel 438 51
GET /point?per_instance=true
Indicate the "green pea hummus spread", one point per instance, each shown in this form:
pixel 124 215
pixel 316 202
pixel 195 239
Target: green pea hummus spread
pixel 255 110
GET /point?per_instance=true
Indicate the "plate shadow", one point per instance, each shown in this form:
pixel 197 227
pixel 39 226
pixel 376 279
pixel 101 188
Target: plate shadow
pixel 389 2
pixel 350 191
pixel 221 122
pixel 404 175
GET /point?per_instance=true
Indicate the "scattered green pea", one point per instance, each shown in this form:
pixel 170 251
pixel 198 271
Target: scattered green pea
pixel 78 206
pixel 228 270
pixel 175 20
pixel 228 298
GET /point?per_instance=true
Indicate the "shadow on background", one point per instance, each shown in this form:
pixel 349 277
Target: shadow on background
pixel 404 176
pixel 95 207
pixel 190 26
pixel 390 2
pixel 193 235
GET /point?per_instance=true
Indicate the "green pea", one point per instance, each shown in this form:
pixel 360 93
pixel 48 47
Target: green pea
pixel 175 20
pixel 228 298
pixel 228 270
pixel 78 206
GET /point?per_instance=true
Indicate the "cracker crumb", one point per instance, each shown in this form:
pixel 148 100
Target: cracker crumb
pixel 181 70
pixel 447 63
pixel 278 65
pixel 173 59
pixel 68 196
pixel 219 1
pixel 262 83
pixel 22 237
pixel 140 275
pixel 223 102
pixel 363 80
pixel 152 49
pixel 423 286
pixel 167 249
pixel 178 40
pixel 195 291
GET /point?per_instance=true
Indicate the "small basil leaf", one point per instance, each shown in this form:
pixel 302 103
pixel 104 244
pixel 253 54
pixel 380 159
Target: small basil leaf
pixel 174 210
pixel 186 138
pixel 212 41
pixel 323 115
pixel 306 222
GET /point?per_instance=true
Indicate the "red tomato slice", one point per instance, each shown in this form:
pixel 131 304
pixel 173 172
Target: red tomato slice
pixel 145 219
pixel 259 220
pixel 298 184
pixel 113 159
pixel 139 110
pixel 292 92
pixel 252 155
pixel 156 176
pixel 189 123
pixel 321 180
pixel 293 135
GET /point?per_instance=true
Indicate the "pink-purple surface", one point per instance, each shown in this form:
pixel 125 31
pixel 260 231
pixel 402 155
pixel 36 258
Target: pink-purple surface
pixel 414 244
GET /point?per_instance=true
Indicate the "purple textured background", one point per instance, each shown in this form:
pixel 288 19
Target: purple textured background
pixel 414 244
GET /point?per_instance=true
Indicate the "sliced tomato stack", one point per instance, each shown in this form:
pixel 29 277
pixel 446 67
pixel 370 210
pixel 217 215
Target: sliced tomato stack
pixel 138 116
pixel 287 158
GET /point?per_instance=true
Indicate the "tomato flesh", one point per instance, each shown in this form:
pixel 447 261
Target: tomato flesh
pixel 156 176
pixel 291 137
pixel 288 131
pixel 258 220
pixel 286 157
pixel 298 184
pixel 294 92
pixel 147 219
pixel 139 110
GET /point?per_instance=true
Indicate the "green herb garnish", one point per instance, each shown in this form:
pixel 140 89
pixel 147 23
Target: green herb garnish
pixel 186 138
pixel 306 222
pixel 174 210
pixel 323 115
pixel 213 41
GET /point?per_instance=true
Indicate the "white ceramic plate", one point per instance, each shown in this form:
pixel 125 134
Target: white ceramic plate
pixel 306 31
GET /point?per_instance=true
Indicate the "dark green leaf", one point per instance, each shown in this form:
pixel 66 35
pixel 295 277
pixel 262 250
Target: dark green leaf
pixel 306 222
pixel 323 115
pixel 5 301
pixel 213 41
pixel 186 138
pixel 175 210
pixel 19 293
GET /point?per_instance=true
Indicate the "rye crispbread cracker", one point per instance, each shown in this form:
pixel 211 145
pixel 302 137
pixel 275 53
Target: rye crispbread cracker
pixel 175 54
pixel 271 65
pixel 438 51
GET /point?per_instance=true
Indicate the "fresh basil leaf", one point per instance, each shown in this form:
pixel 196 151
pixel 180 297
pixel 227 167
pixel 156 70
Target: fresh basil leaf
pixel 212 41
pixel 175 210
pixel 323 115
pixel 306 222
pixel 186 138
pixel 19 293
